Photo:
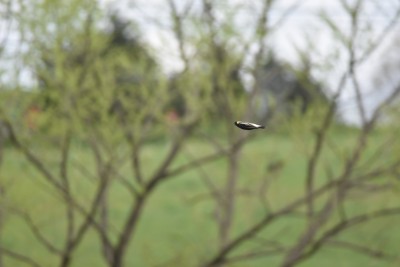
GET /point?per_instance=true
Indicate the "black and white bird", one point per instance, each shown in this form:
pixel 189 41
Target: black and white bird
pixel 248 125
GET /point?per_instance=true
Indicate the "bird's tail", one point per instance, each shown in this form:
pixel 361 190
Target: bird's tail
pixel 262 127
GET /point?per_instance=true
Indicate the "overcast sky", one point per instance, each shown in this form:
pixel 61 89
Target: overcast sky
pixel 304 21
pixel 153 18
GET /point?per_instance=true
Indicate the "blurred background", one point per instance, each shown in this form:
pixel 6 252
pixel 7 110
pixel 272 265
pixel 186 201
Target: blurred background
pixel 118 145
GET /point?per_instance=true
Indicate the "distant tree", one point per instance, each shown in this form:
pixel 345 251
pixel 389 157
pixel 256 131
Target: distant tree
pixel 289 89
pixel 281 87
pixel 119 41
pixel 216 63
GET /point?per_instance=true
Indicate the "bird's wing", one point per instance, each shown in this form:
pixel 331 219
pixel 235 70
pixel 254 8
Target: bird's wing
pixel 253 124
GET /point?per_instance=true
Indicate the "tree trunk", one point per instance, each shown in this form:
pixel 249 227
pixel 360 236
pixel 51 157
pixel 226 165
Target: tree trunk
pixel 127 233
pixel 107 250
pixel 227 208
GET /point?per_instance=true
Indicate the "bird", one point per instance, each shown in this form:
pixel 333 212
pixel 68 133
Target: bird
pixel 248 125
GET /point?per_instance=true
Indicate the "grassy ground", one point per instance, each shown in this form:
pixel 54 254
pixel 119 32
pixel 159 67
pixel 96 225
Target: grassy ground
pixel 178 227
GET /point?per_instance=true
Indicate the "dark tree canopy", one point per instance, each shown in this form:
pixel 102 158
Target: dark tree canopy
pixel 289 87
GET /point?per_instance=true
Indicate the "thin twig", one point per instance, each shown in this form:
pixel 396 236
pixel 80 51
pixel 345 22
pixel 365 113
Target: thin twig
pixel 379 254
pixel 36 231
pixel 19 257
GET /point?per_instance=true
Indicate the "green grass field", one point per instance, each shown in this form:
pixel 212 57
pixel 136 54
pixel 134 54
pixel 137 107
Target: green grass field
pixel 178 227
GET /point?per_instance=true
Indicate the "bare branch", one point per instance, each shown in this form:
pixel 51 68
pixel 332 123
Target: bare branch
pixel 82 168
pixel 249 233
pixel 319 142
pixel 220 257
pixel 255 254
pixel 19 257
pixel 195 163
pixel 136 162
pixel 7 25
pixel 36 232
pixel 88 221
pixel 212 188
pixel 134 192
pixel 377 154
pixel 178 31
pixel 381 37
pixel 135 211
pixel 354 15
pixel 345 225
pixel 33 159
pixel 311 231
pixel 65 151
pixel 378 254
pixel 386 102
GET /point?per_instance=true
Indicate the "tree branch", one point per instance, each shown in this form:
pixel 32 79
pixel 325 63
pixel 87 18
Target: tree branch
pixel 32 158
pixel 19 257
pixel 378 254
pixel 344 225
pixel 36 232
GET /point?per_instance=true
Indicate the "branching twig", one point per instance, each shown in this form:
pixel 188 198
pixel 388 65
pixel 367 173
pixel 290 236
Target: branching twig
pixel 345 225
pixel 36 232
pixel 178 31
pixel 379 254
pixel 33 158
pixel 319 142
pixel 249 233
pixel 65 156
pixel 19 257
